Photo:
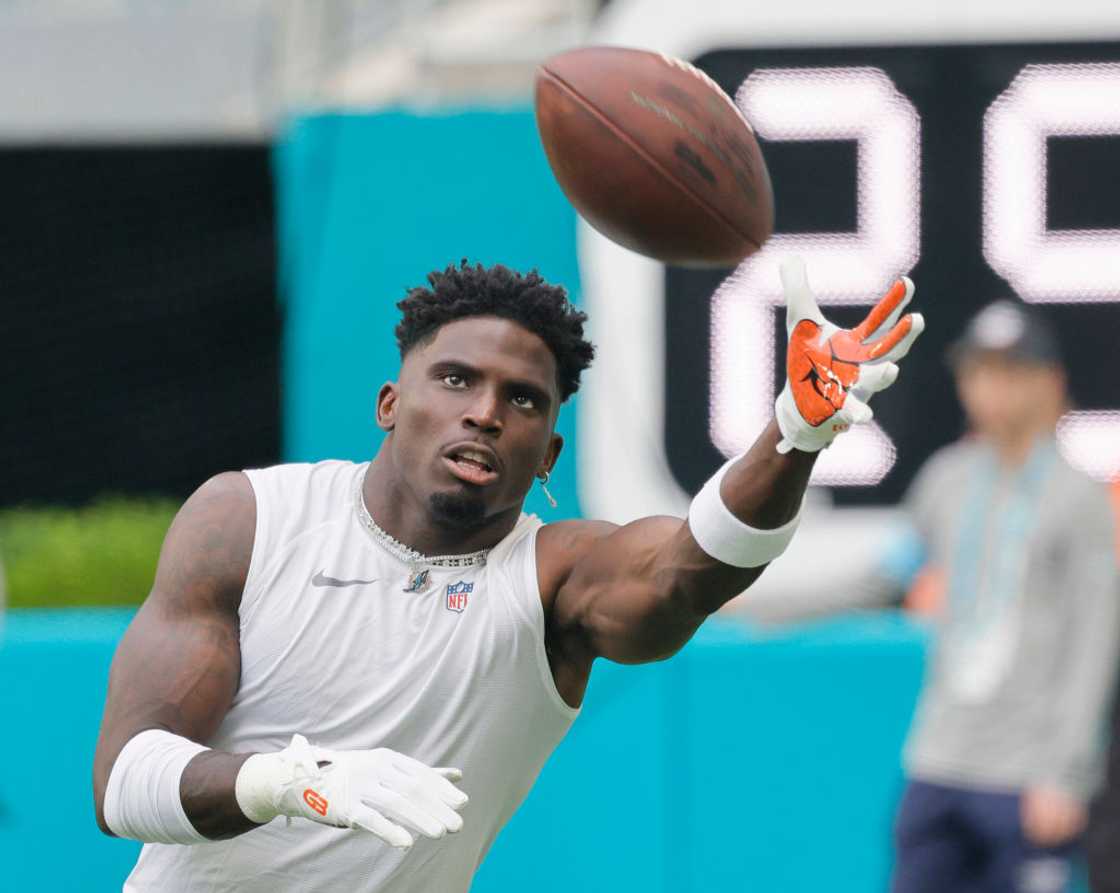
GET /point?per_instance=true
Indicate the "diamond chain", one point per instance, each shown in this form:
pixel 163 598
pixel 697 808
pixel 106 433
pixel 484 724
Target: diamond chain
pixel 407 554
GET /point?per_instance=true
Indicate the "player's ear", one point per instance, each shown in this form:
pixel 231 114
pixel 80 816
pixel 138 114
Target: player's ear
pixel 555 445
pixel 387 399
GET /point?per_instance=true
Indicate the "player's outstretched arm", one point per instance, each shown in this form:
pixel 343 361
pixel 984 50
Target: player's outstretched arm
pixel 173 679
pixel 638 593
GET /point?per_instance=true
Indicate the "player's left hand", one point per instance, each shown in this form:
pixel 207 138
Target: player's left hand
pixel 831 372
pixel 386 793
pixel 1050 816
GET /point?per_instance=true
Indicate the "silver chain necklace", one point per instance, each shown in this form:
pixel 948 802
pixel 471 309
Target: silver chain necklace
pixel 419 564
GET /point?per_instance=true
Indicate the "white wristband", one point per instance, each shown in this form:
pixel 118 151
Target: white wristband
pixel 142 799
pixel 723 536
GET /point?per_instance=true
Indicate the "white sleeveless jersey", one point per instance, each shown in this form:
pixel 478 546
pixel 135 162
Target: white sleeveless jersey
pixel 333 647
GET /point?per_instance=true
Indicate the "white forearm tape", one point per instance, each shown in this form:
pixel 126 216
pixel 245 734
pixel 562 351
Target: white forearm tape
pixel 142 798
pixel 725 537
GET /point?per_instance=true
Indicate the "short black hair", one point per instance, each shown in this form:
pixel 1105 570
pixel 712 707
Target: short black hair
pixel 461 291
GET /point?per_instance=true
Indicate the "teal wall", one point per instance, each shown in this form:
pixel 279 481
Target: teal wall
pixel 747 762
pixel 368 205
pixel 54 671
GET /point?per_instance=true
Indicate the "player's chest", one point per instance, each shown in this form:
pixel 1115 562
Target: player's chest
pixel 347 611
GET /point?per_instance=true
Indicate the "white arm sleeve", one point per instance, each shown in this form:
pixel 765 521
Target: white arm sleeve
pixel 142 798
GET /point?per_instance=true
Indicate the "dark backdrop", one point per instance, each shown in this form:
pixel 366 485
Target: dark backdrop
pixel 139 343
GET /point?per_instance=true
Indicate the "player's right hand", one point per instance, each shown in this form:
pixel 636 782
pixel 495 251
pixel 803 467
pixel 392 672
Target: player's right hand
pixel 380 791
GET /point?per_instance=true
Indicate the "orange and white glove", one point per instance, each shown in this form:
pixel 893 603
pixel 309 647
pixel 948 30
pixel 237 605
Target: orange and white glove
pixel 832 372
pixel 386 793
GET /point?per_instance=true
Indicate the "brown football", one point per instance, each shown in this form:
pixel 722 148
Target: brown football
pixel 654 155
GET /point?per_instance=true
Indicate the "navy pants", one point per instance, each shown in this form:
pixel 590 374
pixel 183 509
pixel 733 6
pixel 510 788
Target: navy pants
pixel 956 840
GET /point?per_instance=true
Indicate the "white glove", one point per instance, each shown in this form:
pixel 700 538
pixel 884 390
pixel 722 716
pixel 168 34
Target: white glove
pixel 832 372
pixel 380 791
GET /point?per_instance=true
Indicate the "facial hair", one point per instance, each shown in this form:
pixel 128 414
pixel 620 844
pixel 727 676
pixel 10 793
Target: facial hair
pixel 459 511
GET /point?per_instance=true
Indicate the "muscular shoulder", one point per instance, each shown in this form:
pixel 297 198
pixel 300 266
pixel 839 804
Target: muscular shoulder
pixel 206 554
pixel 224 505
pixel 560 546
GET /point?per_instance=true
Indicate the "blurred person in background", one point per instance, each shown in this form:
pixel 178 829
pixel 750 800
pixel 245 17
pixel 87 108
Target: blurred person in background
pixel 1006 749
pixel 1016 548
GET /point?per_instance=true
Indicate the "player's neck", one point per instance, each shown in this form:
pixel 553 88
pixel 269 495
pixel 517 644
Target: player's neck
pixel 396 511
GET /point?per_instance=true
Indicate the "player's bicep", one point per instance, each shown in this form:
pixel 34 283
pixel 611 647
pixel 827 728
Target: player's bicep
pixel 173 671
pixel 624 595
pixel 178 665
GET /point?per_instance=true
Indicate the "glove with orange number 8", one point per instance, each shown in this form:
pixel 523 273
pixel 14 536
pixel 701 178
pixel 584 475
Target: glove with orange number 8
pixel 832 372
pixel 386 793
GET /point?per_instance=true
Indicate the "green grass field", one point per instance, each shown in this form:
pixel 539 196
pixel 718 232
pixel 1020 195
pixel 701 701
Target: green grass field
pixel 101 554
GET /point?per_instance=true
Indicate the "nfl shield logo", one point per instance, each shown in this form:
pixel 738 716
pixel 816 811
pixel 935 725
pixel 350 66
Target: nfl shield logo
pixel 457 595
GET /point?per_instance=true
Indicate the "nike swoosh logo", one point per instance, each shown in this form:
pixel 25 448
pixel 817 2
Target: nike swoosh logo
pixel 323 581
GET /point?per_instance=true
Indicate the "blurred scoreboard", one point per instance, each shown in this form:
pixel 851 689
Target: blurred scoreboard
pixel 983 171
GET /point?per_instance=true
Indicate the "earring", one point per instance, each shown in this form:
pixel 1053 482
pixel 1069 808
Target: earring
pixel 543 478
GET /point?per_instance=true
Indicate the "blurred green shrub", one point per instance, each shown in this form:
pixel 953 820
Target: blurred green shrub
pixel 102 554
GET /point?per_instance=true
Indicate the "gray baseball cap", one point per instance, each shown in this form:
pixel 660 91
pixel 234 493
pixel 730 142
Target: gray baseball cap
pixel 1009 328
